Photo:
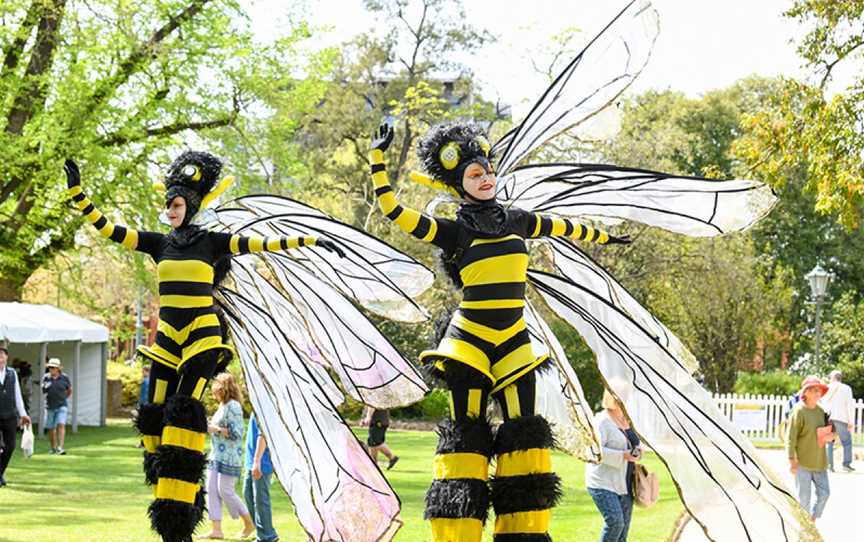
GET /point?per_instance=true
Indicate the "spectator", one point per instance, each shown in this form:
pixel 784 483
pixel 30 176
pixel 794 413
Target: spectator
pixel 12 413
pixel 57 389
pixel 610 483
pixel 807 459
pixel 145 385
pixel 378 421
pixel 259 470
pixel 841 411
pixel 226 457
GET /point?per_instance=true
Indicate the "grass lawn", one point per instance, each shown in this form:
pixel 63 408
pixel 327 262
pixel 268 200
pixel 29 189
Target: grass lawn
pixel 96 494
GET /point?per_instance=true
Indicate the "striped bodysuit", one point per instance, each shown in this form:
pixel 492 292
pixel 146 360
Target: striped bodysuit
pixel 188 324
pixel 488 331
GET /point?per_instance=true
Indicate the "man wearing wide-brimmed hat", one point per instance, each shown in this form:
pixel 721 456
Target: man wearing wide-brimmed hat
pixel 57 389
pixel 807 458
pixel 12 413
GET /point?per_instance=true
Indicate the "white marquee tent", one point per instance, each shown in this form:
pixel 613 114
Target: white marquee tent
pixel 37 332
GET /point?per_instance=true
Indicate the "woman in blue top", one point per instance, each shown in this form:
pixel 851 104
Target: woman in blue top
pixel 226 457
pixel 610 482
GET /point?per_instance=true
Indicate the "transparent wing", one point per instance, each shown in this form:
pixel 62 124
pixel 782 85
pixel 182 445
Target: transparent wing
pixel 717 471
pixel 318 461
pixel 339 336
pixel 593 80
pixel 693 206
pixel 376 275
pixel 559 394
pixel 569 261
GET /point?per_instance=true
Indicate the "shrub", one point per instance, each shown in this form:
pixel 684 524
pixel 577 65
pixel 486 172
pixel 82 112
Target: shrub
pixel 130 380
pixel 768 383
pixel 436 405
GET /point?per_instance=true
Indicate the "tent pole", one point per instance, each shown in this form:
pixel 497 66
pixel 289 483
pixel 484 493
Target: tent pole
pixel 43 353
pixel 103 409
pixel 76 364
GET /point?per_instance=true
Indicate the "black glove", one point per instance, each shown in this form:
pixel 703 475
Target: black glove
pixel 73 176
pixel 382 137
pixel 623 240
pixel 327 244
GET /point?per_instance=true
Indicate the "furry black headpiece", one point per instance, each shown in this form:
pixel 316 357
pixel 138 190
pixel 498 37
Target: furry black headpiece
pixel 447 149
pixel 192 175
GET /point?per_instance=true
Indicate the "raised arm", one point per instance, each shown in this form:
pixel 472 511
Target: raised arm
pixel 553 226
pixel 419 225
pixel 239 244
pixel 127 237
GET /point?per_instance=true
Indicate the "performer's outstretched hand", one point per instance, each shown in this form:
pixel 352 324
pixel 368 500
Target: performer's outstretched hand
pixel 327 244
pixel 73 176
pixel 623 240
pixel 382 137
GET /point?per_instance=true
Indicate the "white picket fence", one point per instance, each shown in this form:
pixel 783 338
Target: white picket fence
pixel 759 416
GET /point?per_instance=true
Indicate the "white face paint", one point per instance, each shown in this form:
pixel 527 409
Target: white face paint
pixel 176 212
pixel 479 183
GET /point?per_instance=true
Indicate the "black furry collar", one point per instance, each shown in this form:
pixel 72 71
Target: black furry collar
pixel 487 218
pixel 185 236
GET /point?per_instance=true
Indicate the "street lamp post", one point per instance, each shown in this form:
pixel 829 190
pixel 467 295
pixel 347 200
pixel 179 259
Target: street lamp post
pixel 818 279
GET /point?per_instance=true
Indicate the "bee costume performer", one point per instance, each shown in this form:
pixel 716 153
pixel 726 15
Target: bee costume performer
pixel 496 344
pixel 289 326
pixel 487 349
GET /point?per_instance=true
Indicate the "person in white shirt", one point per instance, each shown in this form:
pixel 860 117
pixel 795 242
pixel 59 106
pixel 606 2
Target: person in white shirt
pixel 610 483
pixel 12 413
pixel 841 409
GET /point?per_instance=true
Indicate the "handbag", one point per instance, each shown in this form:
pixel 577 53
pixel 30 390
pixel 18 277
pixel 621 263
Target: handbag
pixel 825 434
pixel 646 487
pixel 27 441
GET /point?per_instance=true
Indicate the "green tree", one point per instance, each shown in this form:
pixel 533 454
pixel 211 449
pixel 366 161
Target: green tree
pixel 716 294
pixel 406 72
pixel 119 86
pixel 843 342
pixel 802 127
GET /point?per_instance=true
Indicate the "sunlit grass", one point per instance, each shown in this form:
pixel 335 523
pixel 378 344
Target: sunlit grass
pixel 97 493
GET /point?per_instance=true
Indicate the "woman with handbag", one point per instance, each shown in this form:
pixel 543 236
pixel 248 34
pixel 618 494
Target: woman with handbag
pixel 610 483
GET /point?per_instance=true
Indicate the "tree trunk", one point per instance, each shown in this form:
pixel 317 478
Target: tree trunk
pixel 11 289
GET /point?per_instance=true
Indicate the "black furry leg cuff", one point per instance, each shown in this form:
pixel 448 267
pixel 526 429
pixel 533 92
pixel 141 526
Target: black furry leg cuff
pixel 186 413
pixel 149 419
pixel 471 435
pixel 176 521
pixel 523 433
pixel 151 474
pixel 458 498
pixel 180 464
pixel 511 494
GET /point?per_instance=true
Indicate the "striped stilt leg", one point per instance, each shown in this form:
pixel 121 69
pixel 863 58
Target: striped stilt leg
pixel 457 503
pixel 149 419
pixel 524 489
pixel 180 462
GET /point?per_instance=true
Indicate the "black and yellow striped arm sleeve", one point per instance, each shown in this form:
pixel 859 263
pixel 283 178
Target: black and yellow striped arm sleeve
pixel 410 221
pixel 548 226
pixel 119 234
pixel 239 244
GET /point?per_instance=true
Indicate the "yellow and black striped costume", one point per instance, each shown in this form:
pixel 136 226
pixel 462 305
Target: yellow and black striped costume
pixel 189 346
pixel 188 324
pixel 487 351
pixel 488 331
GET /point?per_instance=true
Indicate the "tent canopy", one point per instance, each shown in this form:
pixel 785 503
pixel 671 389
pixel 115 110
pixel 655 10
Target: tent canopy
pixel 26 323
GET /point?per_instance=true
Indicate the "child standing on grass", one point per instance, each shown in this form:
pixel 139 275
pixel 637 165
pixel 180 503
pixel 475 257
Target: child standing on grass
pixel 807 458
